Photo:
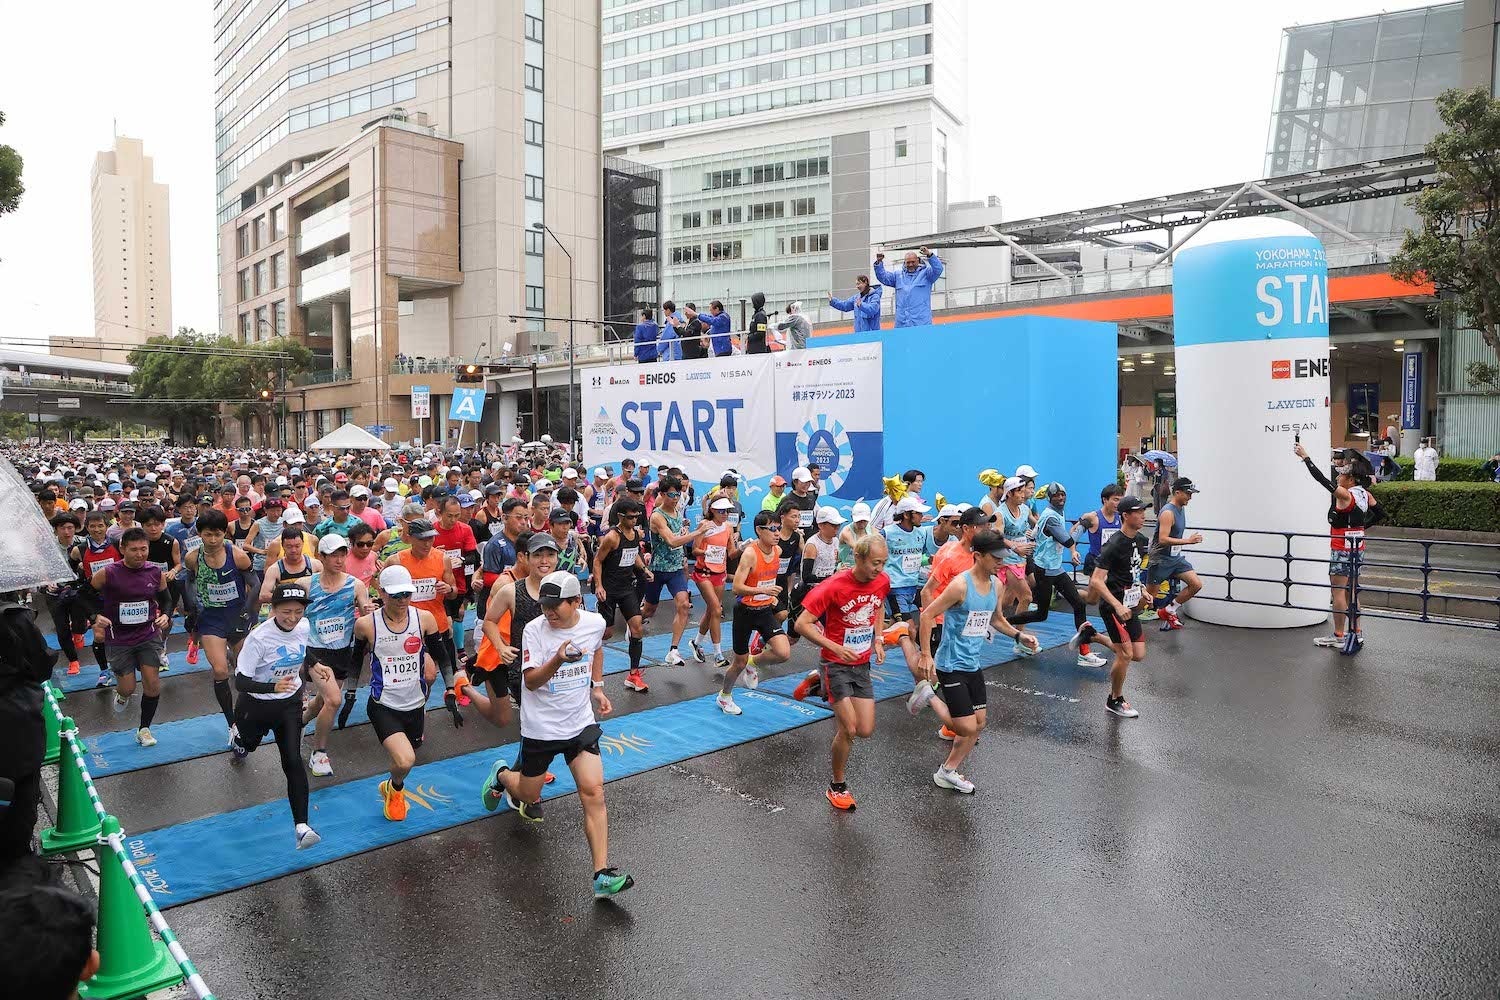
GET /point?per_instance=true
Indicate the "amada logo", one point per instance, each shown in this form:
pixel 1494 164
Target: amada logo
pixel 659 378
pixel 618 381
pixel 1299 368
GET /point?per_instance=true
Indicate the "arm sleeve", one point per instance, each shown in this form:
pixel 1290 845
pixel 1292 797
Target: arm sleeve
pixel 245 685
pixel 1057 530
pixel 433 643
pixel 807 568
pixel 1317 474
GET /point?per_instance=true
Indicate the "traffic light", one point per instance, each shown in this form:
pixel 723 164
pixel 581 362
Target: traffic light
pixel 469 375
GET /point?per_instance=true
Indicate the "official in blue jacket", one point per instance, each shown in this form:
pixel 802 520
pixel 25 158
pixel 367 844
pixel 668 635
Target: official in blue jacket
pixel 864 304
pixel 719 326
pixel 913 285
pixel 645 338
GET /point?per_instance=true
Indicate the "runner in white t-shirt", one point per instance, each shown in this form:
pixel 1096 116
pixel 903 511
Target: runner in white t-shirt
pixel 562 663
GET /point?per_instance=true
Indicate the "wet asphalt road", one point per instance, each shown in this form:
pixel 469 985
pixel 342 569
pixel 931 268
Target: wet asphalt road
pixel 1280 822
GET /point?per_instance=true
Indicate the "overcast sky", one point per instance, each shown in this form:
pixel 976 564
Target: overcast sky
pixel 1071 105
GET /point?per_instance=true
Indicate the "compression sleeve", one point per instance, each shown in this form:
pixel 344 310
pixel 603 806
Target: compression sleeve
pixel 360 652
pixel 433 641
pixel 807 568
pixel 245 684
pixel 1058 532
pixel 1317 474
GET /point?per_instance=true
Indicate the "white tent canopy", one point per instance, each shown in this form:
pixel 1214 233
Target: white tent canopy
pixel 350 438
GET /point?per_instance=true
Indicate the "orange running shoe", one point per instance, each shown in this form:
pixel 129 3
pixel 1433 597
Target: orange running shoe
pixel 843 800
pixel 192 656
pixel 947 734
pixel 893 635
pixel 395 802
pixel 812 682
pixel 77 640
pixel 549 778
pixel 72 668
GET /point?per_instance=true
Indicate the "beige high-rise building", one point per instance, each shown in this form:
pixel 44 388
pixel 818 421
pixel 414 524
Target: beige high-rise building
pixel 132 253
pixel 385 169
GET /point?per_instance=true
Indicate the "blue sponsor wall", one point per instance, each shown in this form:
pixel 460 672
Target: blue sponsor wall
pixel 999 393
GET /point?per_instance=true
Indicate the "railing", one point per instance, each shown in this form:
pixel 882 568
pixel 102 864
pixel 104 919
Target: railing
pixel 74 771
pixel 48 383
pixel 323 377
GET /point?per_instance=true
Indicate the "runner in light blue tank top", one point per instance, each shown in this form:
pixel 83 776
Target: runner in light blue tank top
pixel 330 615
pixel 966 629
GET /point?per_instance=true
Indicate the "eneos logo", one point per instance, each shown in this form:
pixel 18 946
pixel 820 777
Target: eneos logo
pixel 1281 369
pixel 1299 368
pixel 659 378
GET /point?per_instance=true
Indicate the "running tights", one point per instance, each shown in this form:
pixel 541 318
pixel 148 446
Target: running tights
pixel 636 646
pixel 281 717
pixel 1064 585
pixel 225 700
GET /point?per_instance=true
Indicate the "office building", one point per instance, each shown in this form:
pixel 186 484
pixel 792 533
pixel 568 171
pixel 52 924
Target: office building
pixel 1479 45
pixel 791 134
pixel 132 250
pixel 403 185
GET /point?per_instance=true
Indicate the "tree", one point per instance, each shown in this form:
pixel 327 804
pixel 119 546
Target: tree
pixel 14 426
pixel 1458 247
pixel 11 187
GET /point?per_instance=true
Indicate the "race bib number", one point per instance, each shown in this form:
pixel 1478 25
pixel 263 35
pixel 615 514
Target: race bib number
pixel 101 564
pixel 333 632
pixel 628 557
pixel 193 544
pixel 455 558
pixel 1105 534
pixel 714 555
pixel 426 589
pixel 786 564
pixel 977 624
pixel 134 613
pixel 859 640
pixel 911 562
pixel 223 593
pixel 285 669
pixel 734 519
pixel 1132 596
pixel 805 519
pixel 159 565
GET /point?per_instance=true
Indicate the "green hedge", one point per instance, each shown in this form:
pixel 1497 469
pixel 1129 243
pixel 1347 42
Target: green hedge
pixel 1449 506
pixel 1449 470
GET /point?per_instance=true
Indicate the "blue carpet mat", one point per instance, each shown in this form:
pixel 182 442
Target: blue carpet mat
pixel 228 851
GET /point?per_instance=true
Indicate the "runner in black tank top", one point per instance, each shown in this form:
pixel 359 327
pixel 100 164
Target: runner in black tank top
pixel 620 573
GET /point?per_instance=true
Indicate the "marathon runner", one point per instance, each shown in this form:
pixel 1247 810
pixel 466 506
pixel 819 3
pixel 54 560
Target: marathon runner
pixel 618 565
pixel 184 530
pixel 1052 539
pixel 756 593
pixel 132 594
pixel 216 573
pixel 68 614
pixel 163 553
pixel 93 554
pixel 334 599
pixel 1117 581
pixel 1015 521
pixel 267 676
pixel 716 546
pixel 499 553
pixel 858 527
pixel 455 539
pixel 844 616
pixel 667 564
pixel 804 497
pixel 1351 509
pixel 968 606
pixel 1165 563
pixel 562 660
pixel 402 644
pixel 908 542
pixel 433 579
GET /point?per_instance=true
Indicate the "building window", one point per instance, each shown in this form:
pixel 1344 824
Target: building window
pixel 804 206
pixel 722 179
pixel 262 277
pixel 715 216
pixel 901 143
pixel 246 292
pixel 262 233
pixel 533 77
pixel 767 173
pixel 533 132
pixel 818 243
pixel 534 187
pixel 278 224
pixel 736 214
pixel 725 251
pixel 244 240
pixel 278 270
pixel 767 210
pixel 533 28
pixel 688 255
pixel 281 318
pixel 692 220
pixel 262 323
pixel 246 336
pixel 533 242
pixel 536 298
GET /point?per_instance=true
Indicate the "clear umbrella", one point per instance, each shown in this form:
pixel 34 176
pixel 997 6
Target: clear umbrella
pixel 29 556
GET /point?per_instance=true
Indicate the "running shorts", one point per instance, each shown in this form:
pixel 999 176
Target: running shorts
pixel 221 622
pixel 536 755
pixel 388 722
pixel 715 580
pixel 340 660
pixel 1343 562
pixel 747 621
pixel 841 681
pixel 1163 567
pixel 674 582
pixel 627 603
pixel 902 602
pixel 1010 570
pixel 962 691
pixel 1118 630
pixel 128 659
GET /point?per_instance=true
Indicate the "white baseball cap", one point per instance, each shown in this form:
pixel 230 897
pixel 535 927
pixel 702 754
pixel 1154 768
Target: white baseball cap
pixel 600 474
pixel 359 491
pixel 1013 483
pixel 293 516
pixel 1025 472
pixel 949 510
pixel 723 503
pixel 396 580
pixel 331 543
pixel 390 485
pixel 801 475
pixel 911 505
pixel 829 515
pixel 570 473
pixel 860 512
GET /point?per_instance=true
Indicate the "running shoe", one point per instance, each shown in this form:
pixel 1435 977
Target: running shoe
pixel 726 704
pixel 750 676
pixel 697 648
pixel 106 679
pixel 636 681
pixel 920 696
pixel 73 668
pixel 945 778
pixel 237 753
pixel 461 690
pixel 812 683
pixel 394 800
pixel 531 812
pixel 610 882
pixel 1082 637
pixel 944 733
pixel 144 738
pixel 192 656
pixel 77 640
pixel 840 799
pixel 1334 641
pixel 1169 622
pixel 308 838
pixel 1024 650
pixel 893 635
pixel 1091 660
pixel 548 778
pixel 319 764
pixel 674 658
pixel 722 662
pixel 757 643
pixel 1149 615
pixel 493 791
pixel 121 704
pixel 1121 707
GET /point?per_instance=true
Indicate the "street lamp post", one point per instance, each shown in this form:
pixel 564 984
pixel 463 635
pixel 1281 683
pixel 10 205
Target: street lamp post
pixel 542 226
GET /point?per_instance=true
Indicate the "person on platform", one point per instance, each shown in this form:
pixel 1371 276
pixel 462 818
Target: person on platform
pixel 645 339
pixel 913 285
pixel 864 304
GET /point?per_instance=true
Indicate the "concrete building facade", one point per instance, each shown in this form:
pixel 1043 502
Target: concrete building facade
pixel 404 185
pixel 132 248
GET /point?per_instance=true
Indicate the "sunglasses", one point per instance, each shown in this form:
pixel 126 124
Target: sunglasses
pixel 674 494
pixel 364 545
pixel 242 510
pixel 344 506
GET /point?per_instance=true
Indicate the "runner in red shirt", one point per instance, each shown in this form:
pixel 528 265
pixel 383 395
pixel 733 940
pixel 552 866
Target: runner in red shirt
pixel 461 552
pixel 844 617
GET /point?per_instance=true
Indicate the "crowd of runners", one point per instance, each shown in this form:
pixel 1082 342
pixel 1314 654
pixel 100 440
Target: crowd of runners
pixel 296 574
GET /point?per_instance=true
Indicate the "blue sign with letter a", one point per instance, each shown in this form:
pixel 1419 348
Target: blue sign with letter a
pixel 468 404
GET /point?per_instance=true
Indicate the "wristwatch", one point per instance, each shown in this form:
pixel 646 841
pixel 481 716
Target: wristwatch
pixel 597 684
